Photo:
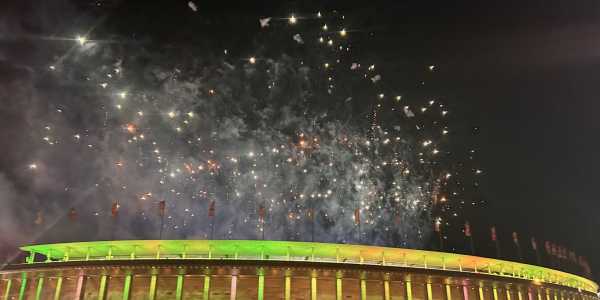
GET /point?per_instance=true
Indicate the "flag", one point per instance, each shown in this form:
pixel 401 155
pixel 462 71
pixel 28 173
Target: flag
pixel 436 225
pixel 515 237
pixel 115 209
pixel 72 214
pixel 211 209
pixel 553 249
pixel 397 219
pixel 467 229
pixel 39 218
pixel 162 205
pixel 357 216
pixel 533 244
pixel 261 213
pixel 310 213
pixel 493 233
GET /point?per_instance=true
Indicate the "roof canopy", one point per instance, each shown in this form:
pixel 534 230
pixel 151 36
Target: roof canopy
pixel 316 252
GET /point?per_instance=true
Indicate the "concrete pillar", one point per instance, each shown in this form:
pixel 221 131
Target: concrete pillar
pixel 287 293
pixel 313 285
pixel 7 289
pixel 40 287
pixel 234 279
pixel 481 293
pixel 102 288
pixel 338 285
pixel 363 286
pixel 261 284
pixel 448 289
pixel 179 289
pixel 80 289
pixel 408 290
pixel 429 291
pixel 23 286
pixel 495 291
pixel 127 287
pixel 465 292
pixel 58 288
pixel 152 289
pixel 206 290
pixel 386 287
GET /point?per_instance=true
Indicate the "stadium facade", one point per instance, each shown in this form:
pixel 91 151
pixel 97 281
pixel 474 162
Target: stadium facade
pixel 241 269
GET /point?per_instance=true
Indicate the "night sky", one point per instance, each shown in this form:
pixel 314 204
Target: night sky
pixel 520 77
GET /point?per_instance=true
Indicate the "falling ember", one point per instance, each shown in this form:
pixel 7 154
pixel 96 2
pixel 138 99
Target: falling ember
pixel 292 19
pixel 81 40
pixel 269 132
pixel 131 128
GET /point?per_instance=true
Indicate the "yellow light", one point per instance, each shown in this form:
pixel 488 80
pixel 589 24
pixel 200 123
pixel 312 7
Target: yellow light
pixel 123 95
pixel 343 32
pixel 293 19
pixel 252 60
pixel 81 40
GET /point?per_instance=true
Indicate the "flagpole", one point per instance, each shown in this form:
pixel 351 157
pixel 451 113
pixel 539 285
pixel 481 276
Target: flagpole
pixel 162 222
pixel 438 229
pixel 312 229
pixel 537 252
pixel 161 211
pixel 517 245
pixel 495 240
pixel 469 237
pixel 211 216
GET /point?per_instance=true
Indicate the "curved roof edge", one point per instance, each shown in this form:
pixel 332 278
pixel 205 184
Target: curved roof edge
pixel 294 251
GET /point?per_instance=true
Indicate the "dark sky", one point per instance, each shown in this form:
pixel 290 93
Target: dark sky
pixel 524 72
pixel 527 75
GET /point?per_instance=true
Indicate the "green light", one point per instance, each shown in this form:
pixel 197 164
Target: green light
pixel 179 291
pixel 261 284
pixel 298 251
pixel 127 287
pixel 23 287
pixel 40 286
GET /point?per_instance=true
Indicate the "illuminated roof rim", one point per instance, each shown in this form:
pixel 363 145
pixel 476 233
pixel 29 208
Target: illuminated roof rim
pixel 289 250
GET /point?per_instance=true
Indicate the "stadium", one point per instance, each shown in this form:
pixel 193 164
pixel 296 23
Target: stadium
pixel 252 269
